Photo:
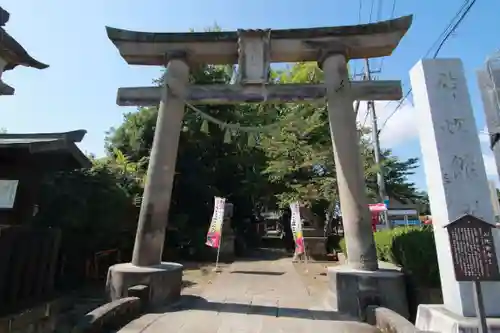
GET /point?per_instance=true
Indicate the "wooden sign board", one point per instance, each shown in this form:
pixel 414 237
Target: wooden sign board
pixel 473 250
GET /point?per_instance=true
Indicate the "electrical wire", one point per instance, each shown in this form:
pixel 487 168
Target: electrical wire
pixel 379 14
pixel 393 12
pixel 360 10
pixel 450 29
pixel 371 10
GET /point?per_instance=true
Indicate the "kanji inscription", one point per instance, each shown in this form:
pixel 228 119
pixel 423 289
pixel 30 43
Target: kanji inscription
pixel 473 250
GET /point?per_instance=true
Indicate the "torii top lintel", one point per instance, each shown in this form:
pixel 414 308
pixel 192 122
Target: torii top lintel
pixel 291 45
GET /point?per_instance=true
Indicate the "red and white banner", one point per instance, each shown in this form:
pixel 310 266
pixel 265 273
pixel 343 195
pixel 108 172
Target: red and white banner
pixel 214 234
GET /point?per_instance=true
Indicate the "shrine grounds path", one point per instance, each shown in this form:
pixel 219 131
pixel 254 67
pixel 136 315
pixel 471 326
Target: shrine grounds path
pixel 262 295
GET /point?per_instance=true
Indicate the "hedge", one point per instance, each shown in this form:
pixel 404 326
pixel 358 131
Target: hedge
pixel 411 248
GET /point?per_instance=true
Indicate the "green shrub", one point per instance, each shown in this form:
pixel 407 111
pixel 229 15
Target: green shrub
pixel 411 248
pixel 342 246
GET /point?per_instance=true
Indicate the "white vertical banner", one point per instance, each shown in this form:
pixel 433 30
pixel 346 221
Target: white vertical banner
pixel 296 225
pixel 214 234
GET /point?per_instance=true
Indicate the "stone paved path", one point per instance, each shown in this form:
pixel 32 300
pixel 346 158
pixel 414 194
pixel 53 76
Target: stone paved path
pixel 250 297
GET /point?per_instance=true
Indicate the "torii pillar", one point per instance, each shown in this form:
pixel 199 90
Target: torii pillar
pixel 354 286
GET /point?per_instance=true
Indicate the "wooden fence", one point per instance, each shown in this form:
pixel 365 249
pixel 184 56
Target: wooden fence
pixel 28 263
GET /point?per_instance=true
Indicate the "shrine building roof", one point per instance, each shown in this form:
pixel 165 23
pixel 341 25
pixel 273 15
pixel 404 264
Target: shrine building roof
pixel 11 51
pixel 52 150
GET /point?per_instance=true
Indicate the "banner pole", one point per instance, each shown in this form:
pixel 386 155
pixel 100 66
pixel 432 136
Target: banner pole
pixel 305 257
pixel 218 252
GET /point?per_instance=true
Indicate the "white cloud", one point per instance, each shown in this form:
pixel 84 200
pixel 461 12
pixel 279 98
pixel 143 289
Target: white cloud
pixel 489 164
pixel 400 128
pixel 483 136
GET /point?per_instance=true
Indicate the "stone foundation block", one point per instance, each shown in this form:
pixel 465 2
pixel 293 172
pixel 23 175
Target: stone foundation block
pixel 164 281
pixel 352 291
pixel 436 318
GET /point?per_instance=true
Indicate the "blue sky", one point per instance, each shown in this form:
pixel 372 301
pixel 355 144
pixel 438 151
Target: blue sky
pixel 79 88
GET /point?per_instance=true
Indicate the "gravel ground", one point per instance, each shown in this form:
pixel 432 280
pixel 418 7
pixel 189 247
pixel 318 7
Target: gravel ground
pixel 197 276
pixel 314 276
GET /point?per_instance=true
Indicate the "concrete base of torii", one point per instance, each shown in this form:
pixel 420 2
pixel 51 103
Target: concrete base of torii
pixel 164 281
pixel 352 290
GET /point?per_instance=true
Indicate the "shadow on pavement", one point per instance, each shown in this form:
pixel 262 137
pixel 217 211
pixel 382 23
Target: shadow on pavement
pixel 265 254
pixel 191 302
pixel 257 273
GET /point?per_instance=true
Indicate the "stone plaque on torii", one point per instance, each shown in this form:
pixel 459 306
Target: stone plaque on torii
pixel 254 51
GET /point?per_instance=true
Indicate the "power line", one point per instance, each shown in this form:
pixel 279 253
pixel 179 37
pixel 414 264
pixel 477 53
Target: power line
pixel 360 10
pixel 379 14
pixel 371 10
pixel 393 12
pixel 447 33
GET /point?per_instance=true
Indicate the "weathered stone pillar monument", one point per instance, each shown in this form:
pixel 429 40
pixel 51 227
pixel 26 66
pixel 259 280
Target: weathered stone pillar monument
pixel 457 185
pixel 254 51
pixel 12 54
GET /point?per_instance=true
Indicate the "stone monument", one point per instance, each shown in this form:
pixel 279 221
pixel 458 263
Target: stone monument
pixel 457 185
pixel 12 54
pixel 488 80
pixel 253 51
pixel 228 237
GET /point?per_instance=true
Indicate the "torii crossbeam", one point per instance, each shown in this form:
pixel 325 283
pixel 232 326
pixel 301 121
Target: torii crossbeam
pixel 254 51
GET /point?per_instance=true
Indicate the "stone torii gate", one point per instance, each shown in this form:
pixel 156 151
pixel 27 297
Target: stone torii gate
pixel 253 51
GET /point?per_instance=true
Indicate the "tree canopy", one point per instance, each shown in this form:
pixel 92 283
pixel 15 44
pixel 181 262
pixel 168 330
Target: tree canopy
pixel 292 160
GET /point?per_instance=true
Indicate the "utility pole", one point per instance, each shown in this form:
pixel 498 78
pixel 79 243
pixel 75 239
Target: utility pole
pixel 376 147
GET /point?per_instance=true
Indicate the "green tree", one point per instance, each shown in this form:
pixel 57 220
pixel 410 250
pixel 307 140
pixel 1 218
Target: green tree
pixel 207 164
pixel 423 205
pixel 300 152
pixel 292 161
pixel 94 211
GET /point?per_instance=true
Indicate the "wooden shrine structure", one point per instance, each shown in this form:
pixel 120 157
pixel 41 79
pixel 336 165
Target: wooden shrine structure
pixel 254 51
pixel 29 253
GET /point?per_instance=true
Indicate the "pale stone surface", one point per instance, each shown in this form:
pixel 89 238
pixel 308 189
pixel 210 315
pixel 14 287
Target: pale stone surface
pixel 346 285
pixel 251 297
pixel 491 110
pixel 150 237
pixel 348 165
pixel 437 318
pixel 164 281
pixel 454 169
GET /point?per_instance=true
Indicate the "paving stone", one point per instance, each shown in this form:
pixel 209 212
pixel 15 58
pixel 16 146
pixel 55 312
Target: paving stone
pixel 243 298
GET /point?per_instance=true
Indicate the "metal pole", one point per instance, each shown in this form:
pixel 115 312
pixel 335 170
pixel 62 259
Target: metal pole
pixel 216 269
pixel 479 305
pixel 376 147
pixel 218 252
